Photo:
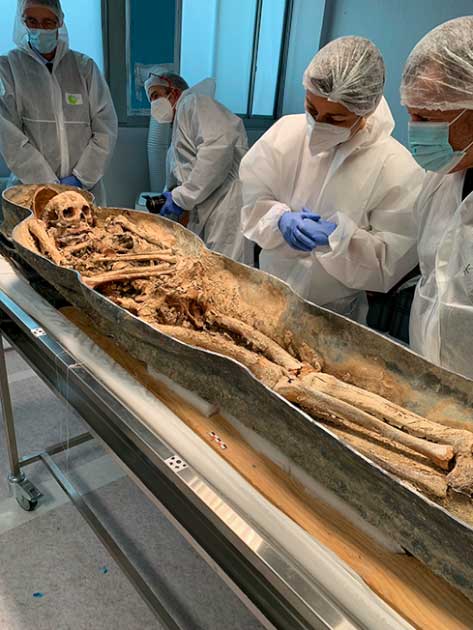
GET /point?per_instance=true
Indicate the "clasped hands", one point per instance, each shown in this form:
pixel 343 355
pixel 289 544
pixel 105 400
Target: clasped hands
pixel 304 230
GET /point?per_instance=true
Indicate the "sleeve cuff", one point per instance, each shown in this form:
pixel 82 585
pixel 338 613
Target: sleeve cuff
pixel 83 180
pixel 177 198
pixel 340 238
pixel 268 227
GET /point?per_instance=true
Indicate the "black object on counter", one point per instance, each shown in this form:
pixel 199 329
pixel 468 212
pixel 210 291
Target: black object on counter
pixel 154 204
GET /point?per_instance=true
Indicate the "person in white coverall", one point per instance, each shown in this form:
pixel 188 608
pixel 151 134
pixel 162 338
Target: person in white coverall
pixel 437 88
pixel 328 195
pixel 208 143
pixel 57 120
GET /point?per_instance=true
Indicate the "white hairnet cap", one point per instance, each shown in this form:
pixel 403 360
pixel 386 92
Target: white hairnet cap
pixel 52 5
pixel 163 77
pixel 350 71
pixel 439 71
pixel 155 78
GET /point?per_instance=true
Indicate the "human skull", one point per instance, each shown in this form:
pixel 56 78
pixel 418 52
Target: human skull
pixel 68 209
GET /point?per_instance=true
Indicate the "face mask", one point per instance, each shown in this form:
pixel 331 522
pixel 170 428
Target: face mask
pixel 429 144
pixel 161 110
pixel 43 40
pixel 323 136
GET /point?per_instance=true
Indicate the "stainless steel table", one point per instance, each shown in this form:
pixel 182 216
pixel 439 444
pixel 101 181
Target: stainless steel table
pixel 264 576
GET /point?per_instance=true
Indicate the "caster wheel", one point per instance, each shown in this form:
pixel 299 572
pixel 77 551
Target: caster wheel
pixel 27 504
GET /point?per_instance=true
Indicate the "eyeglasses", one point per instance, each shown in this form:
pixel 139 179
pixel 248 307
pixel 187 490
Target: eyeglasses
pixel 48 25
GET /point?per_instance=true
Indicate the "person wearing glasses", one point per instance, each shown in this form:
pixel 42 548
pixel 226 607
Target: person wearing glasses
pixel 57 120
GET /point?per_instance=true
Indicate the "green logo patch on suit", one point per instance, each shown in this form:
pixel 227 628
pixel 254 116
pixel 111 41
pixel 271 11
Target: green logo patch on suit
pixel 74 99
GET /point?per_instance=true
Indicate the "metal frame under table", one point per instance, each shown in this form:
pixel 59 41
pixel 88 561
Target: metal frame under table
pixel 263 575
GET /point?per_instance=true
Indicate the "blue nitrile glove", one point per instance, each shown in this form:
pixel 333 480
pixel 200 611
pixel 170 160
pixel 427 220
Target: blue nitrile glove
pixel 171 209
pixel 317 232
pixel 290 225
pixel 71 180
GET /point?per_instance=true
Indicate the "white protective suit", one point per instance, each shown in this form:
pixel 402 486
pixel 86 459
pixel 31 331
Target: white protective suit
pixel 366 186
pixel 208 143
pixel 441 322
pixel 438 75
pixel 55 125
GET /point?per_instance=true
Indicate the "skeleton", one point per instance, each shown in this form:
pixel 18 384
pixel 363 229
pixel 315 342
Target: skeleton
pixel 147 275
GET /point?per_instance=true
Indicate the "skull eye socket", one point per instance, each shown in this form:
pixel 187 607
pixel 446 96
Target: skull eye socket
pixel 68 213
pixel 85 209
pixel 51 215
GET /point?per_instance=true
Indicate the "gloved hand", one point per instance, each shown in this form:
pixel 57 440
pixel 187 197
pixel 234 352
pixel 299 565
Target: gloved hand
pixel 291 224
pixel 317 232
pixel 171 209
pixel 71 180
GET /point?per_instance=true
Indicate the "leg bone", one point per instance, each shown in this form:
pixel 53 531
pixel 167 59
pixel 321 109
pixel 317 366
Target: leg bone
pixel 325 406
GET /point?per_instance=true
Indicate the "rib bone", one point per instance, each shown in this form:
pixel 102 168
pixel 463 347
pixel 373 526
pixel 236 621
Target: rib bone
pixel 164 256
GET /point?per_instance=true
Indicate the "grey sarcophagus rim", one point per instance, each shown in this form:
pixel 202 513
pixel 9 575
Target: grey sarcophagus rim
pixel 424 528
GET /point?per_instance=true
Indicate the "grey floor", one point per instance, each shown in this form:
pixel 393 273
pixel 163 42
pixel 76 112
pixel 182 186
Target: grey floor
pixel 54 573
